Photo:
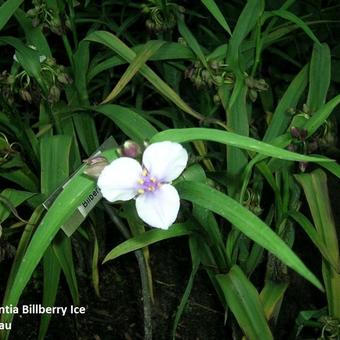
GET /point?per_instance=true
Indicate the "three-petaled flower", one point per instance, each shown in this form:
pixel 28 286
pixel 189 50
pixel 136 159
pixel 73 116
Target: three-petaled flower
pixel 157 201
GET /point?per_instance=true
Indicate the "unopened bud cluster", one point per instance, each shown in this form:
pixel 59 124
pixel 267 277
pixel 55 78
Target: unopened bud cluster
pixel 324 139
pixel 161 19
pixel 215 75
pixel 42 15
pixel 255 86
pixel 53 76
pixel 252 202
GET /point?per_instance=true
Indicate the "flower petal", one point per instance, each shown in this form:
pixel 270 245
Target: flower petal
pixel 118 180
pixel 160 208
pixel 165 160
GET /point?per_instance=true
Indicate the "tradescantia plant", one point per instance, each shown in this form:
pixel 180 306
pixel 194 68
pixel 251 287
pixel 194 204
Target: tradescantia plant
pixel 237 121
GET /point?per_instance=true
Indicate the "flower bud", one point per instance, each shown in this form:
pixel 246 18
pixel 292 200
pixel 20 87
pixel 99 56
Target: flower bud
pixel 291 147
pixel 298 133
pixel 214 64
pixel 54 94
pixel 95 166
pixel 35 22
pixel 295 132
pixel 303 134
pixel 218 80
pixel 182 41
pixel 252 95
pixel 217 99
pixel 50 61
pixel 130 149
pixel 313 146
pixel 303 166
pixel 64 78
pixel 25 95
pixel 32 12
pixel 10 80
pixel 205 75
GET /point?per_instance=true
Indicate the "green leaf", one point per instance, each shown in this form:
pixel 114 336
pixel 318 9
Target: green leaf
pixel 319 76
pixel 243 300
pixel 194 243
pixel 310 230
pixel 169 51
pixel 216 13
pixel 7 9
pixel 23 177
pixel 54 157
pixel 22 246
pixel 191 41
pixel 51 283
pixel 148 238
pixel 63 250
pixel 281 117
pixel 141 58
pixel 238 121
pixel 296 20
pixel 333 168
pixel 28 59
pixel 94 263
pixel 81 65
pixel 86 131
pixel 112 42
pixel 246 222
pixel 271 298
pixel 250 14
pixel 83 121
pixel 34 35
pixel 130 122
pixel 315 187
pixel 233 139
pixel 321 115
pixel 10 199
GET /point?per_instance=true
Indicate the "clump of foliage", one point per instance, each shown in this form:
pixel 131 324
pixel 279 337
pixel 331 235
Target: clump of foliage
pixel 249 88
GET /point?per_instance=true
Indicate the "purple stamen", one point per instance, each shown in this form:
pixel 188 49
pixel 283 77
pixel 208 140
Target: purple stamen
pixel 147 183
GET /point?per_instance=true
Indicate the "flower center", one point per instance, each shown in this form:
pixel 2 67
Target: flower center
pixel 147 183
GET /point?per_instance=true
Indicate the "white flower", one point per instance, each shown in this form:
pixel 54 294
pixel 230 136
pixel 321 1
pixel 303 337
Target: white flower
pixel 157 201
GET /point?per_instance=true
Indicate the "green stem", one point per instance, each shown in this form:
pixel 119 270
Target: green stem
pixel 143 272
pixel 68 49
pixel 73 26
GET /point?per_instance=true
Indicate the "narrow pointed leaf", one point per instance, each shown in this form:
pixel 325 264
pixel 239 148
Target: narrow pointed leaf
pixel 148 238
pixel 7 9
pixel 141 58
pixel 217 14
pixel 246 222
pixel 243 300
pixel 233 139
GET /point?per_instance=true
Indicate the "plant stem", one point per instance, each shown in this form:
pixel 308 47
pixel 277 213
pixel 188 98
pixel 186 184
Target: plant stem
pixel 142 269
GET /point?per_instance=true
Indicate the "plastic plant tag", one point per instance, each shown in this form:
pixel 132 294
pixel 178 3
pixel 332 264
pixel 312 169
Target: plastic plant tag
pixel 71 225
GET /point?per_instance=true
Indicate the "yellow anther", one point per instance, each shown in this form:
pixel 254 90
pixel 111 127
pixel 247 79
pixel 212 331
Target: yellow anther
pixel 145 172
pixel 140 191
pixel 151 188
pixel 140 181
pixel 153 179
